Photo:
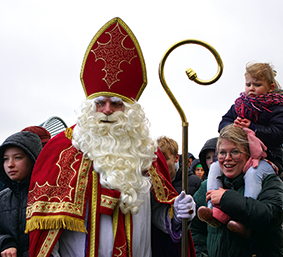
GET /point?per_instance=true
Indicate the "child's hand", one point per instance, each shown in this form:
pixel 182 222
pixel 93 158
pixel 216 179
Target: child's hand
pixel 242 122
pixel 237 122
pixel 215 195
pixel 245 123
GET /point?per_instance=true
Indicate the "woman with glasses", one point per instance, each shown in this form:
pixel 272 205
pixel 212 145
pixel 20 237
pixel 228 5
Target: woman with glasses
pixel 262 216
pixel 260 109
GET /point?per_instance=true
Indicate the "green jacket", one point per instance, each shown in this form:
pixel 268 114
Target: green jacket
pixel 264 216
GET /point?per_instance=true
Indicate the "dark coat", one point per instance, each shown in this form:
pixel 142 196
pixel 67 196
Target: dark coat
pixel 194 182
pixel 269 129
pixel 13 199
pixel 264 216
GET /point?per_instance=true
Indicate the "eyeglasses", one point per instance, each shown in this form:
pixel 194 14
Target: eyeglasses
pixel 235 155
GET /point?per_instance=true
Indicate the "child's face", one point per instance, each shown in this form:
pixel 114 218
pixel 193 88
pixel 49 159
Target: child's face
pixel 199 171
pixel 17 164
pixel 209 157
pixel 255 87
pixel 171 160
pixel 190 160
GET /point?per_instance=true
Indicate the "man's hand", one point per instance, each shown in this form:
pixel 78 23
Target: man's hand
pixel 184 207
pixel 9 252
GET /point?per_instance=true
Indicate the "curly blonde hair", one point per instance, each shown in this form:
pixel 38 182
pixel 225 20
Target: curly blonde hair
pixel 263 71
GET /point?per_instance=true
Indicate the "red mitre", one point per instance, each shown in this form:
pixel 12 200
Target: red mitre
pixel 113 64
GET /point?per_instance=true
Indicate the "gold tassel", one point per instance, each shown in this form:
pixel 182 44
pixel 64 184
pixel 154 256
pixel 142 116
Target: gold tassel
pixel 55 222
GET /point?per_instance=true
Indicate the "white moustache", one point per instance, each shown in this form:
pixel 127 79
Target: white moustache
pixel 112 118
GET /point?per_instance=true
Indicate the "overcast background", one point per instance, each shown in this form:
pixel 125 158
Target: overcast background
pixel 42 45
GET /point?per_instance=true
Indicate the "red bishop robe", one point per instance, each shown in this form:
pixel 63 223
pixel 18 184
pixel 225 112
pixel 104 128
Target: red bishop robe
pixel 62 184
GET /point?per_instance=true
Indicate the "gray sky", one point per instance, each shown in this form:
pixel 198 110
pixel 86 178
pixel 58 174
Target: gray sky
pixel 43 44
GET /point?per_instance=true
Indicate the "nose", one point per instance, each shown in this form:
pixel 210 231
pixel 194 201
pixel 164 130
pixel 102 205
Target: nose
pixel 228 156
pixel 107 109
pixel 10 163
pixel 252 88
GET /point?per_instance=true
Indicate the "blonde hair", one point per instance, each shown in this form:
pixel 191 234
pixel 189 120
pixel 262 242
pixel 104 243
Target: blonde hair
pixel 166 143
pixel 263 71
pixel 236 135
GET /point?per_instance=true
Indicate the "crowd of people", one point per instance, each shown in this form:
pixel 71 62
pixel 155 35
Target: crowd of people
pixel 104 187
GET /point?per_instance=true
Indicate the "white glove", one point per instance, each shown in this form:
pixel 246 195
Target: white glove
pixel 184 207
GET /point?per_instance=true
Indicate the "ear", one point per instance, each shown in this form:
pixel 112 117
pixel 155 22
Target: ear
pixel 177 158
pixel 271 89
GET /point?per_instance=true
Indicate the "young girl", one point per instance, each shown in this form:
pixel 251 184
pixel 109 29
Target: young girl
pixel 259 108
pixel 18 154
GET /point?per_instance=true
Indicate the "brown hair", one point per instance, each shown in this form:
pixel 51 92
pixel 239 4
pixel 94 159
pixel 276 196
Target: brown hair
pixel 166 143
pixel 236 135
pixel 263 71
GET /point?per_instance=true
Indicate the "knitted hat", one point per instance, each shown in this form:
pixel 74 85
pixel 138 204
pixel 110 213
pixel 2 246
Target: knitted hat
pixel 40 131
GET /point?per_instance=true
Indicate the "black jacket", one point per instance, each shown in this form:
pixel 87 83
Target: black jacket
pixel 13 218
pixel 269 129
pixel 264 216
pixel 13 199
pixel 194 182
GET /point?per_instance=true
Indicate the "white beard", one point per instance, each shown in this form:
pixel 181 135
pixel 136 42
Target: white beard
pixel 120 151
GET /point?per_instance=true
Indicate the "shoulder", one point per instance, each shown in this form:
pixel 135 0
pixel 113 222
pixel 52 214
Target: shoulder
pixel 4 193
pixel 194 179
pixel 57 154
pixel 232 110
pixel 194 183
pixel 272 191
pixel 200 194
pixel 277 108
pixel 56 145
pixel 273 182
pixel 5 199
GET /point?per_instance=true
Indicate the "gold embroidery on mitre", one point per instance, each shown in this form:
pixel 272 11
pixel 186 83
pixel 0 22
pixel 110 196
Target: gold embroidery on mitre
pixel 48 242
pixel 113 53
pixel 162 192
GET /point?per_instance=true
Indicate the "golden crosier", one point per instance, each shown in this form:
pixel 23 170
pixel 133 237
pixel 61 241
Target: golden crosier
pixel 192 76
